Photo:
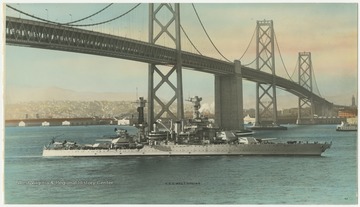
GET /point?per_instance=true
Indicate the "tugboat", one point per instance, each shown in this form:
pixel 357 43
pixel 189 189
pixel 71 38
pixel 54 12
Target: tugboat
pixel 344 126
pixel 196 136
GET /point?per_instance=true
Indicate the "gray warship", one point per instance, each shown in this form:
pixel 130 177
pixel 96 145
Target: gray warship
pixel 195 137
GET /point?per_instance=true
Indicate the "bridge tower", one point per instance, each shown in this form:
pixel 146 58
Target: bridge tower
pixel 164 21
pixel 306 104
pixel 266 107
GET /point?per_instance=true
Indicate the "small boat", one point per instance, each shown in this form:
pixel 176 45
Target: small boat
pixel 244 132
pixel 344 126
pixel 248 119
pixel 158 135
pixel 267 127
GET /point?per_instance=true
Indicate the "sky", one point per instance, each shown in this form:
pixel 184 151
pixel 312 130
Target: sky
pixel 327 30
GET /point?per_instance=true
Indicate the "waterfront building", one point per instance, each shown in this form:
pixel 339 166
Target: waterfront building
pixel 22 124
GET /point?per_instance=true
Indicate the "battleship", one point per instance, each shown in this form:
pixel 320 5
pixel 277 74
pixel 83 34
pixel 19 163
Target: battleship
pixel 195 137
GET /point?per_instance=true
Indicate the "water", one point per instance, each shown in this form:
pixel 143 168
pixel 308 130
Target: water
pixel 32 179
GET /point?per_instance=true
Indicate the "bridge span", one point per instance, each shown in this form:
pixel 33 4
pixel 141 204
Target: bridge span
pixel 29 33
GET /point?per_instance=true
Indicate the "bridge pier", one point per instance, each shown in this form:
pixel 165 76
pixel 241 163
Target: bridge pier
pixel 305 115
pixel 323 109
pixel 229 100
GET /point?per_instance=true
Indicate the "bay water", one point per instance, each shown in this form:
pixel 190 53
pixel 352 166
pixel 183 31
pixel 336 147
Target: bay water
pixel 30 178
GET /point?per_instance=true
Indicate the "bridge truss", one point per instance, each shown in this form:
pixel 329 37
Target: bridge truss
pixel 154 36
pixel 266 107
pixel 305 80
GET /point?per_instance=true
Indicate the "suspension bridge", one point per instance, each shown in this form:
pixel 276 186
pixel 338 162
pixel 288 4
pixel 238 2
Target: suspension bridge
pixel 45 34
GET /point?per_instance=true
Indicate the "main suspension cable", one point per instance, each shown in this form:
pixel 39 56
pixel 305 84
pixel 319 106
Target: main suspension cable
pixel 77 25
pixel 190 40
pixel 46 20
pixel 296 66
pixel 208 34
pixel 250 63
pixel 32 16
pixel 90 15
pixel 282 58
pixel 248 44
pixel 317 87
pixel 107 21
pixel 187 35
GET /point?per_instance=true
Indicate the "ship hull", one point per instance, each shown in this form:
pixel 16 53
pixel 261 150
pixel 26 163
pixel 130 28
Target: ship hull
pixel 346 130
pixel 313 149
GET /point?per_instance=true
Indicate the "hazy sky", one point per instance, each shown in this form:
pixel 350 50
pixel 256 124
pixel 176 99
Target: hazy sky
pixel 328 31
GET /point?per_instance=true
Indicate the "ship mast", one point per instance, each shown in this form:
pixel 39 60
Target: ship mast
pixel 141 124
pixel 196 105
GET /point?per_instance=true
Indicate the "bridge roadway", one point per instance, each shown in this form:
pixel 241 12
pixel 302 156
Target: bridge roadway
pixel 23 32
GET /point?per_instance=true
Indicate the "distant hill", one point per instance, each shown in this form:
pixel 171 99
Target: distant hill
pixel 58 102
pixel 16 95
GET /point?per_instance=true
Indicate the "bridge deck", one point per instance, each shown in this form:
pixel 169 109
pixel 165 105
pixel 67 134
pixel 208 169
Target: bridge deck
pixel 23 32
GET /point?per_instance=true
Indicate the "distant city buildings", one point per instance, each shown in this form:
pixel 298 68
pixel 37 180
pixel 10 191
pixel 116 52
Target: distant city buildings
pixel 353 104
pixel 349 112
pixel 22 124
pixel 124 121
pixel 70 113
pixel 65 123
